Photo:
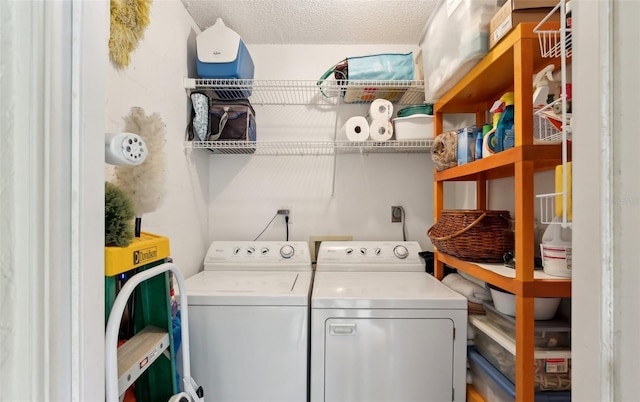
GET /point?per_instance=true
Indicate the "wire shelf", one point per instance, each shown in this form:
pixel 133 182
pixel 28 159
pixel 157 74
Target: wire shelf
pixel 551 42
pixel 547 124
pixel 311 147
pixel 309 92
pixel 548 214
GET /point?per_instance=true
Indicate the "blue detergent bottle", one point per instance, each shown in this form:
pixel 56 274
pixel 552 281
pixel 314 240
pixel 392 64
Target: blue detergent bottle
pixel 505 136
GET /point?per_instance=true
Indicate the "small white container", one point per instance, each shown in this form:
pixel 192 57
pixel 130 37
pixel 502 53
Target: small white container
pixel 545 308
pixel 414 127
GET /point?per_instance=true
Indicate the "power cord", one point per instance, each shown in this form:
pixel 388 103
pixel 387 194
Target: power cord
pixel 286 221
pixel 265 228
pixel 404 225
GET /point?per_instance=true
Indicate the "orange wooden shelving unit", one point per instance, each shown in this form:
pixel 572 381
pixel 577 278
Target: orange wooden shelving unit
pixel 509 66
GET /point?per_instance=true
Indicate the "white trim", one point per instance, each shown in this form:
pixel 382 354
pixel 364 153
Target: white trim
pixel 607 328
pixel 76 188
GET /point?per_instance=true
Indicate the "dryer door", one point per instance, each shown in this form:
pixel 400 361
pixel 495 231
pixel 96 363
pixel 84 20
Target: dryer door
pixel 389 359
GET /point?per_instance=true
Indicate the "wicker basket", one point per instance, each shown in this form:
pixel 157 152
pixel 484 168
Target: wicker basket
pixel 473 235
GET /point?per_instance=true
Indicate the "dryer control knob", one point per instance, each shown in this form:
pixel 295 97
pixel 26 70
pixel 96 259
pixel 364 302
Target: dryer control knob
pixel 401 252
pixel 264 250
pixel 287 251
pixel 377 251
pixel 348 251
pixel 363 251
pixel 250 250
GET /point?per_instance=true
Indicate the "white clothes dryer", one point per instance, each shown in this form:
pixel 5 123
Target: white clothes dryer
pixel 249 321
pixel 382 329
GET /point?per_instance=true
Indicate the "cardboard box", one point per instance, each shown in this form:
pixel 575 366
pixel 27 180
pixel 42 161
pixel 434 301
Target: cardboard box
pixel 513 12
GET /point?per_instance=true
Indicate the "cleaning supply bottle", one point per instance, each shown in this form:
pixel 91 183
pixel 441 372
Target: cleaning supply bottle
pixel 541 86
pixel 505 136
pixel 556 249
pixel 479 139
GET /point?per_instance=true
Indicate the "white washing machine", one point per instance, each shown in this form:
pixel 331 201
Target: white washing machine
pixel 249 321
pixel 382 329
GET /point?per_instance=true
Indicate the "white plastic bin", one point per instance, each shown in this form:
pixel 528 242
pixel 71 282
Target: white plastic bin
pixel 456 39
pixel 414 127
pixel 552 366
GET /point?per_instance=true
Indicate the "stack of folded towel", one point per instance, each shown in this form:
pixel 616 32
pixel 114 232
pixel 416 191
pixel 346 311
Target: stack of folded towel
pixel 475 293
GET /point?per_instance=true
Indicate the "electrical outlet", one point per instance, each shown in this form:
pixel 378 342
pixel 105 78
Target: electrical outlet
pixel 285 212
pixel 396 214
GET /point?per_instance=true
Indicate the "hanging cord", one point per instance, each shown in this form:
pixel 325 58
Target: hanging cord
pixel 404 225
pixel 286 221
pixel 265 228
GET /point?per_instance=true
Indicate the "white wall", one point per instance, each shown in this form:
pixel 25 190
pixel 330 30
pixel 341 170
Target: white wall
pixel 246 191
pixel 153 81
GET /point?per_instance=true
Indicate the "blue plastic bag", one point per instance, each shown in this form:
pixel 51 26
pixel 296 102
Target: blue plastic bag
pixel 385 66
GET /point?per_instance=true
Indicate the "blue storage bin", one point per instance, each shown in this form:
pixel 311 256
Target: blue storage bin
pixel 495 387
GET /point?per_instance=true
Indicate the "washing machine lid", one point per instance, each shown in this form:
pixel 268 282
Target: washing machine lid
pixel 381 290
pixel 249 288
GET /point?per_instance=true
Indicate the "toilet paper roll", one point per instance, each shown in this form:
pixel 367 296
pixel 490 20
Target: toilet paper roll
pixel 356 129
pixel 380 109
pixel 380 130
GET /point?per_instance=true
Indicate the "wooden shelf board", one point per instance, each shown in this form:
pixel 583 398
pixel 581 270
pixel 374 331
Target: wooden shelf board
pixel 501 165
pixel 542 285
pixel 494 73
pixel 473 395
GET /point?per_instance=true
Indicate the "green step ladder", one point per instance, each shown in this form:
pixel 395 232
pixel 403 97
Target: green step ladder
pixel 148 358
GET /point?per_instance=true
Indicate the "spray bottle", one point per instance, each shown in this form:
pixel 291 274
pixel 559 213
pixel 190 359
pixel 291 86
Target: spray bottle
pixel 541 85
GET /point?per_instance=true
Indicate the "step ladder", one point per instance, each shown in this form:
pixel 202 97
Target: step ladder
pixel 125 364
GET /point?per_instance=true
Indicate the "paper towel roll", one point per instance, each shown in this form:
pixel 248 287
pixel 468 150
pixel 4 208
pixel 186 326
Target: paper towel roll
pixel 380 109
pixel 380 130
pixel 356 128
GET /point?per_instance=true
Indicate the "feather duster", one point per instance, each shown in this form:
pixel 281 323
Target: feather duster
pixel 145 183
pixel 129 19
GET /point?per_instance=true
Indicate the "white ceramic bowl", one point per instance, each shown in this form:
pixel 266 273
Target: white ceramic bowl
pixel 545 308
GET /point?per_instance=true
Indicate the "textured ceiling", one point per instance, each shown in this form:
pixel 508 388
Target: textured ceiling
pixel 317 21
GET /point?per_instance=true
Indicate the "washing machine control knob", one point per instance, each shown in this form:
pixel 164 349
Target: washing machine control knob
pixel 264 250
pixel 287 251
pixel 250 250
pixel 363 251
pixel 377 251
pixel 236 250
pixel 348 251
pixel 401 252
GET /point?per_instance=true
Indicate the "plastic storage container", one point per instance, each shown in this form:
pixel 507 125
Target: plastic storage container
pixel 551 334
pixel 413 127
pixel 552 366
pixel 456 39
pixel 222 54
pixel 495 387
pixel 467 144
pixel 545 308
